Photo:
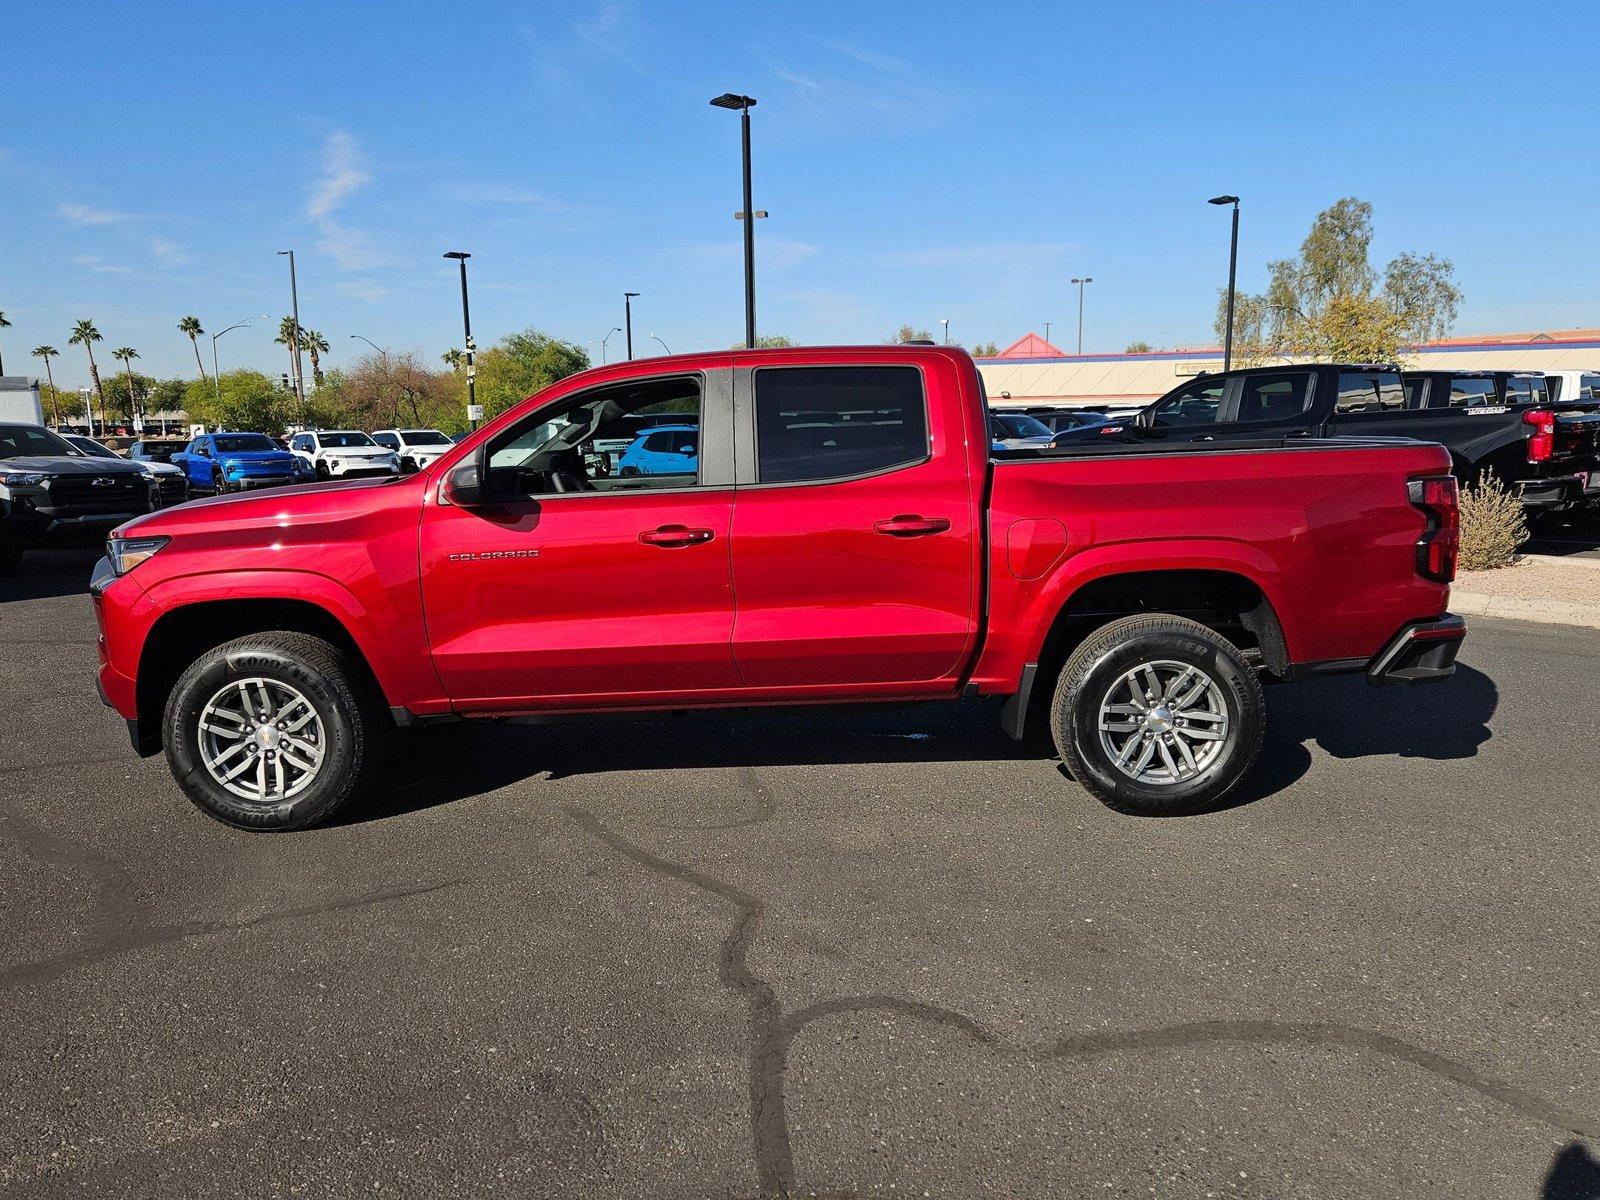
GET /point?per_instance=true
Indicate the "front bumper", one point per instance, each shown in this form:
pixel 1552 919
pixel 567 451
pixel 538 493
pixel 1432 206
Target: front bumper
pixel 42 524
pixel 1422 652
pixel 246 483
pixel 360 470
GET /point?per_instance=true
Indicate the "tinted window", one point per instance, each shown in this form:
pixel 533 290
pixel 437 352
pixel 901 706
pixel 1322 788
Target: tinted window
pixel 424 437
pixel 1412 387
pixel 835 422
pixel 1469 392
pixel 1274 397
pixel 1196 404
pixel 345 439
pixel 1526 389
pixel 30 441
pixel 1370 391
pixel 93 448
pixel 674 442
pixel 1019 425
pixel 387 439
pixel 242 443
pixel 1588 387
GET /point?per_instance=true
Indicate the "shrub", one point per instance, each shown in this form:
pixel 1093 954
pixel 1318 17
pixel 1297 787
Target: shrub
pixel 1492 525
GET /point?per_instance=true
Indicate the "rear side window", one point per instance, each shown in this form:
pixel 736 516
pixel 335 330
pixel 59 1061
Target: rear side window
pixel 1471 393
pixel 816 423
pixel 1370 391
pixel 1274 397
pixel 1526 389
pixel 1588 387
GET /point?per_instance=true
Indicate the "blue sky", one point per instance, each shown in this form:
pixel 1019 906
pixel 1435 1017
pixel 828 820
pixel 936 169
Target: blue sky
pixel 919 162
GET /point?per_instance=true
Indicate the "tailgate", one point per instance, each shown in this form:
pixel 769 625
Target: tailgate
pixel 1578 438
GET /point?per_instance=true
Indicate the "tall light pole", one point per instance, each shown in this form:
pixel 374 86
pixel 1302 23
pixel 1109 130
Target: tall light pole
pixel 216 383
pixel 743 105
pixel 627 310
pixel 663 344
pixel 604 340
pixel 1047 325
pixel 294 337
pixel 945 321
pixel 461 257
pixel 1080 283
pixel 1233 266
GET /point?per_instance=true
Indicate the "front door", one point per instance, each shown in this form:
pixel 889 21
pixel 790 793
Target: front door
pixel 854 539
pixel 573 585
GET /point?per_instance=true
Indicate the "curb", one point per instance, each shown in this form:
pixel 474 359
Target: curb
pixel 1558 560
pixel 1548 612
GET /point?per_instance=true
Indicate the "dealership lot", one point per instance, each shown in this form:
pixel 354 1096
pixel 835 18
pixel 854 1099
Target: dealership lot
pixel 886 954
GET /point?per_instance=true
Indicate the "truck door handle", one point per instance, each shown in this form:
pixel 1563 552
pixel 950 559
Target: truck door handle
pixel 671 536
pixel 908 525
pixel 1204 437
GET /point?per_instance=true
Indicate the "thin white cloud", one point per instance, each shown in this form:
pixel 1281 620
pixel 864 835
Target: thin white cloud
pixel 168 254
pixel 93 262
pixel 343 175
pixel 372 293
pixel 82 214
pixel 851 86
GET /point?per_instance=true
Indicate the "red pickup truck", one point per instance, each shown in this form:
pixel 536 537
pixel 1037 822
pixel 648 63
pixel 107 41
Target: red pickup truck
pixel 785 527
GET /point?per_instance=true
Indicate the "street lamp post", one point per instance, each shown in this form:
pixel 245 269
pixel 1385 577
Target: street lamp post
pixel 88 407
pixel 604 340
pixel 216 382
pixel 945 321
pixel 1047 325
pixel 1233 266
pixel 1080 283
pixel 663 344
pixel 627 309
pixel 294 337
pixel 461 257
pixel 742 105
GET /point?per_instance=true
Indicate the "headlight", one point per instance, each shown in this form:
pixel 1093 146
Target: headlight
pixel 127 553
pixel 22 479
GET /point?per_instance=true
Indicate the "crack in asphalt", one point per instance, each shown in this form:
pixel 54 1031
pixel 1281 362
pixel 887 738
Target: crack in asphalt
pixel 772 1033
pixel 121 916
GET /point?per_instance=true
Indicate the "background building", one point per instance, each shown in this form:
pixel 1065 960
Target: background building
pixel 1033 370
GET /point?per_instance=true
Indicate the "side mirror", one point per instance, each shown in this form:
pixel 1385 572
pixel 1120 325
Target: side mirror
pixel 464 486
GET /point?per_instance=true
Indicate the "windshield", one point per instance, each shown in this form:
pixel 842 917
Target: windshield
pixel 30 441
pixel 345 439
pixel 157 451
pixel 1019 425
pixel 94 448
pixel 240 443
pixel 424 437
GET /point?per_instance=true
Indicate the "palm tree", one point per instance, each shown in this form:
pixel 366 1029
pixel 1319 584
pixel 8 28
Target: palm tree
pixel 453 358
pixel 191 327
pixel 127 354
pixel 47 353
pixel 86 335
pixel 316 345
pixel 4 324
pixel 289 334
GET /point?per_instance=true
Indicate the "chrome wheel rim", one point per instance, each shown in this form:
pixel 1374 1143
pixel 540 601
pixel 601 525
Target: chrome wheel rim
pixel 1163 722
pixel 262 740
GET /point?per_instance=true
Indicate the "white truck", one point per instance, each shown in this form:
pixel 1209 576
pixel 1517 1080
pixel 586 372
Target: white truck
pixel 19 400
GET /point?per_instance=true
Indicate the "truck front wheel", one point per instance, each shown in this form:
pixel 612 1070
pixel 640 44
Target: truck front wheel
pixel 1158 715
pixel 273 731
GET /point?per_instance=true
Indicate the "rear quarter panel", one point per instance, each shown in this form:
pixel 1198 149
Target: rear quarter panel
pixel 1326 532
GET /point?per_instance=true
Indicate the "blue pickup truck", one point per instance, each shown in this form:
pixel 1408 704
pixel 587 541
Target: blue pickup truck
pixel 237 462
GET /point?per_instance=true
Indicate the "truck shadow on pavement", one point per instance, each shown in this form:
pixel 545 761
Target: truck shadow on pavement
pixel 44 574
pixel 1344 717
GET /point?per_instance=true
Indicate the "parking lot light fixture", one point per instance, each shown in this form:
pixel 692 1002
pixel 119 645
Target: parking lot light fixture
pixel 216 384
pixel 461 257
pixel 294 337
pixel 662 344
pixel 742 105
pixel 1080 282
pixel 945 321
pixel 627 309
pixel 1233 267
pixel 604 340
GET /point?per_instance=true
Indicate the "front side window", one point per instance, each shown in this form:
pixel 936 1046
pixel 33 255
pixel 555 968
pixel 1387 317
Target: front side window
pixel 424 437
pixel 1275 397
pixel 1370 391
pixel 815 423
pixel 1196 404
pixel 339 441
pixel 1471 392
pixel 591 442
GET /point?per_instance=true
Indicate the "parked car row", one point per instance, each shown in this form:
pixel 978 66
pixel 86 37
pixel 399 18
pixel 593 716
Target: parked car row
pixel 1537 435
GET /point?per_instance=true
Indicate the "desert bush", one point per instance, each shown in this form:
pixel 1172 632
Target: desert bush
pixel 1492 525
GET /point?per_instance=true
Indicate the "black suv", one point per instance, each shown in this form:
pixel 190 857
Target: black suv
pixel 52 494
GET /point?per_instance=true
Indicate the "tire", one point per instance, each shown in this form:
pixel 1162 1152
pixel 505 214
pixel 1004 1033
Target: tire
pixel 1175 649
pixel 345 729
pixel 322 473
pixel 219 485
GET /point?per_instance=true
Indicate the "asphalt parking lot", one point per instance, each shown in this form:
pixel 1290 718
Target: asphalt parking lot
pixel 883 955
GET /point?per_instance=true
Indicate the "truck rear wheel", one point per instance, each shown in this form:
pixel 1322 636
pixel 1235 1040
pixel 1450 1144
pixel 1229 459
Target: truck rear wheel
pixel 1158 715
pixel 273 731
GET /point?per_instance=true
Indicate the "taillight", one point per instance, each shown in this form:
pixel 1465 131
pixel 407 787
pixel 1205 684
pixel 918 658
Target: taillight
pixel 1438 500
pixel 1542 442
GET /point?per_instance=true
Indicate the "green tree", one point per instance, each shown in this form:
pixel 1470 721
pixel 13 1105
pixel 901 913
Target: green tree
pixel 1137 348
pixel 166 395
pixel 1326 302
pixel 316 345
pixel 47 353
pixel 127 394
pixel 986 350
pixel 127 354
pixel 289 335
pixel 243 399
pixel 454 359
pixel 86 335
pixel 907 334
pixel 520 364
pixel 190 328
pixel 767 341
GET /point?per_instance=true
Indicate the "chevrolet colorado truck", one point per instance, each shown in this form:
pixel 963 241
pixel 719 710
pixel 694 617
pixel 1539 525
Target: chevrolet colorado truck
pixel 51 493
pixel 846 534
pixel 1499 423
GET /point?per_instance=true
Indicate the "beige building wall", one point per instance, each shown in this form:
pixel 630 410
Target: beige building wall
pixel 1134 378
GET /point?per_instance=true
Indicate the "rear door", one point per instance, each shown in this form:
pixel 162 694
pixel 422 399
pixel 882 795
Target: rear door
pixel 1269 404
pixel 1377 403
pixel 855 546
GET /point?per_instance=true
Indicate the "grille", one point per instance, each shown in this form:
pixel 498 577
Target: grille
pixel 79 493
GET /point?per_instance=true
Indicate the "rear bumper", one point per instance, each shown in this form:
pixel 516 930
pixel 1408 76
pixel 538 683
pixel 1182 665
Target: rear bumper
pixel 1556 493
pixel 1422 652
